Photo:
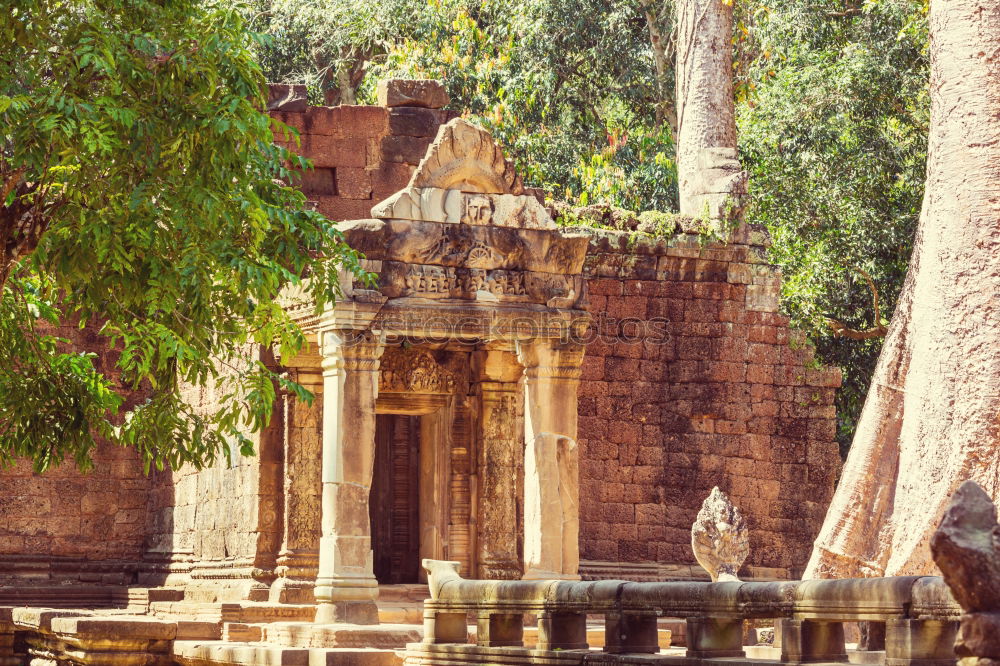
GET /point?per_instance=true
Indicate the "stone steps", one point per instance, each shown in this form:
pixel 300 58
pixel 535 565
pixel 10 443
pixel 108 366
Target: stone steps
pixel 62 596
pixel 402 604
pixel 308 635
pixel 402 612
pixel 245 612
pixel 221 653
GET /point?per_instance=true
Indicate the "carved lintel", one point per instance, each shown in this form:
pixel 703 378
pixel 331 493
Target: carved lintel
pixel 404 280
pixel 413 371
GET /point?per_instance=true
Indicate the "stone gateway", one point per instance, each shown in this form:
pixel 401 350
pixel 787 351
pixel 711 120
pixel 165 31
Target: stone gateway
pixel 466 353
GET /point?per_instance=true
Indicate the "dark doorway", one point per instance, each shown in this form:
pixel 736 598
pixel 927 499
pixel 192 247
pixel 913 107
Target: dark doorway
pixel 395 499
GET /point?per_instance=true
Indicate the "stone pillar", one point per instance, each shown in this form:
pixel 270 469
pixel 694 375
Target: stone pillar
pixel 551 459
pixel 501 463
pixel 804 641
pixel 298 561
pixel 346 588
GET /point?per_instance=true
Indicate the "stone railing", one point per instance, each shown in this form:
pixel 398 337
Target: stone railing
pixel 920 616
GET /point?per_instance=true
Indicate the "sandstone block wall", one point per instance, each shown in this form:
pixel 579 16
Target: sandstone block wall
pixel 730 397
pixel 217 527
pixel 65 525
pixel 360 154
pixel 695 380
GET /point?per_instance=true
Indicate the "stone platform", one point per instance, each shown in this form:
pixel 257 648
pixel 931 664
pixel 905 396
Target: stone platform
pixel 226 634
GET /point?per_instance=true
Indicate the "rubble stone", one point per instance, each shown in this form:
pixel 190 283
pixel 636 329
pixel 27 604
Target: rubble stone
pixel 286 97
pixel 426 93
pixel 966 547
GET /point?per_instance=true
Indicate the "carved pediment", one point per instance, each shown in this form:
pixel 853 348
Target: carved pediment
pixel 465 179
pixel 466 158
pixel 413 371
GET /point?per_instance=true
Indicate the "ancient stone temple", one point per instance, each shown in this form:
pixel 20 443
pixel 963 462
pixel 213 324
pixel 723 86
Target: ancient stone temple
pixel 528 400
pixel 448 389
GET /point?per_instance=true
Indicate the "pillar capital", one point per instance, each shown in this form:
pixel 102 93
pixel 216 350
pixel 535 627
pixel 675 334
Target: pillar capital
pixel 351 350
pixel 550 359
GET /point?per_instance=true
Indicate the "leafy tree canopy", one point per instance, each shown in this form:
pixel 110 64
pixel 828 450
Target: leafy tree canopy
pixel 142 196
pixel 571 87
pixel 833 121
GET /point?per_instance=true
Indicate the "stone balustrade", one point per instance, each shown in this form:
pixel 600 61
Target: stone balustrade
pixel 919 613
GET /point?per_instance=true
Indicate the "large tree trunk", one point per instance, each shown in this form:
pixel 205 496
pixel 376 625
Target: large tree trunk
pixel 706 116
pixel 932 418
pixel 710 180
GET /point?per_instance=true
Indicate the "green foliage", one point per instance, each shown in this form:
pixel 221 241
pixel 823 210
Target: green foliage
pixel 143 195
pixel 658 223
pixel 567 86
pixel 328 44
pixel 833 124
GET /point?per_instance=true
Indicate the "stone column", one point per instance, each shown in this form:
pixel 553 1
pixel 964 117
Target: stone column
pixel 501 463
pixel 346 588
pixel 299 557
pixel 551 459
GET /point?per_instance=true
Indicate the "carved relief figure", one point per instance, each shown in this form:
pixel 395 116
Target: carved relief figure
pixel 457 245
pixel 478 210
pixel 500 468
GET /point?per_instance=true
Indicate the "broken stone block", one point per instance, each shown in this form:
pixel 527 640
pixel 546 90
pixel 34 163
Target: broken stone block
pixel 427 93
pixel 286 97
pixel 979 636
pixel 966 547
pixel 416 121
pixel 719 537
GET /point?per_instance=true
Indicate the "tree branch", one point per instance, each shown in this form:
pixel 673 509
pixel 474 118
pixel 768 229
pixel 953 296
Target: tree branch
pixel 12 181
pixel 879 331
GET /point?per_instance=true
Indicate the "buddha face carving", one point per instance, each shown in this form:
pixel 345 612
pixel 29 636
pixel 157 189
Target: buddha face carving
pixel 478 210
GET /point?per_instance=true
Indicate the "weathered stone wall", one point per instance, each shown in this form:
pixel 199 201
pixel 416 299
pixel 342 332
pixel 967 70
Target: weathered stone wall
pixel 730 397
pixel 66 525
pixel 360 154
pixel 717 391
pixel 215 528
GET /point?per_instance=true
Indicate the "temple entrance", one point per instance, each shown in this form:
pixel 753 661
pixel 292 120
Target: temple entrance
pixel 395 499
pixel 450 385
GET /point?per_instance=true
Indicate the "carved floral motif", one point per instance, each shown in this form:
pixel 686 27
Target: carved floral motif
pixel 500 466
pixel 413 371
